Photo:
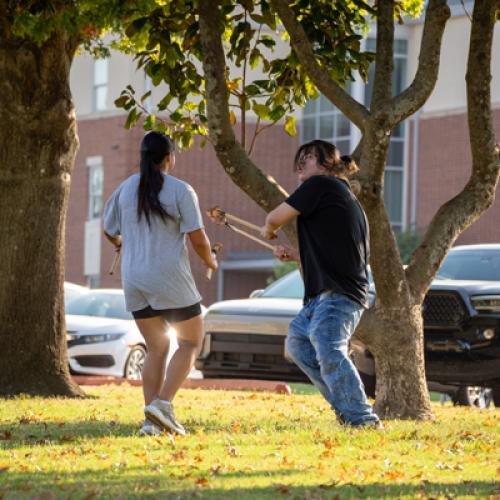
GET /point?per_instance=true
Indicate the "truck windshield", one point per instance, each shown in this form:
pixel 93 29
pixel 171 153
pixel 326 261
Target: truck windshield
pixel 480 265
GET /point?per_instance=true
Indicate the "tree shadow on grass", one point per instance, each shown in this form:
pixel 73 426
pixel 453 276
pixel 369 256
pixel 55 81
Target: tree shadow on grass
pixel 184 482
pixel 19 435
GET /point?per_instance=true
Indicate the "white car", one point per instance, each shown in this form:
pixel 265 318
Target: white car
pixel 103 338
pixel 72 291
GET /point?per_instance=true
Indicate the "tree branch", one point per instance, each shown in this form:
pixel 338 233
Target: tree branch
pixel 262 188
pixel 382 82
pixel 415 96
pixel 479 193
pixel 351 108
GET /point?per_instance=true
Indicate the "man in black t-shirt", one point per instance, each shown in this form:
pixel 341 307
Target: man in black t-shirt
pixel 333 251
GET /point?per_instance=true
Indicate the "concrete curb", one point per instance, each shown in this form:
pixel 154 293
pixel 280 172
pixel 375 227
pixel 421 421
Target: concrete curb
pixel 212 383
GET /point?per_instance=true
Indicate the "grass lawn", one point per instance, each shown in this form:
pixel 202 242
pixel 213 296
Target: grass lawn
pixel 241 445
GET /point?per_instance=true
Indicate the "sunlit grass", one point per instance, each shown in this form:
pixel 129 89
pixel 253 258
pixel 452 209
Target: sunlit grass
pixel 241 445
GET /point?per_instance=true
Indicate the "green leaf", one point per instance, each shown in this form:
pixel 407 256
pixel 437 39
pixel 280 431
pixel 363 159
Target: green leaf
pixel 290 126
pixel 277 113
pixel 149 122
pixel 132 118
pixel 145 96
pixel 176 116
pixel 261 110
pixel 136 26
pixel 121 101
pixel 252 90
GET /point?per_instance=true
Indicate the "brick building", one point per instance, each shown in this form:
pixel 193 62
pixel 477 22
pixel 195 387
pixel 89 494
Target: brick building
pixel 428 162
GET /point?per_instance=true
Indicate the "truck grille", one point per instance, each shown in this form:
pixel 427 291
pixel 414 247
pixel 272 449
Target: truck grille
pixel 443 309
pixel 249 348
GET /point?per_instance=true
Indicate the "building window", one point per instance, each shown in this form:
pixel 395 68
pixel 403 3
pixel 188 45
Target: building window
pixel 322 120
pixel 95 190
pixel 395 172
pixel 100 90
pixel 92 241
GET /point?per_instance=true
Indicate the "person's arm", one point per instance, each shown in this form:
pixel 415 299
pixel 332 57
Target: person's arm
pixel 201 245
pixel 286 253
pixel 277 218
pixel 116 240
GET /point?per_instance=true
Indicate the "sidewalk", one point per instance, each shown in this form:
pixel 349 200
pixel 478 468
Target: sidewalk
pixel 197 383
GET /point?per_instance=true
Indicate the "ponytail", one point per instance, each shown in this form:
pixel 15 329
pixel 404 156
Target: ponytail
pixel 154 148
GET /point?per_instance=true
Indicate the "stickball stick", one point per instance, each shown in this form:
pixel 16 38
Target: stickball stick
pixel 116 259
pixel 223 217
pixel 215 250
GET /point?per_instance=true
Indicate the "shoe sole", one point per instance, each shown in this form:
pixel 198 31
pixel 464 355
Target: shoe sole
pixel 148 433
pixel 155 416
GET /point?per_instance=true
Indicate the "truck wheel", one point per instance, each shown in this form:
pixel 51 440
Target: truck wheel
pixel 468 395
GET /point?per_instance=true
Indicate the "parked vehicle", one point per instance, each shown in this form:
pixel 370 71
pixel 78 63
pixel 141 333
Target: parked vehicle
pixel 245 338
pixel 103 338
pixel 72 291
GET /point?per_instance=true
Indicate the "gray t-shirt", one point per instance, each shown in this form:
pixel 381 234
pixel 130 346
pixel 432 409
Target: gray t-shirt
pixel 155 265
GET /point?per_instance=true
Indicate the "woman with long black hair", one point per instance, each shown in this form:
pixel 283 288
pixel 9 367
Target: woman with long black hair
pixel 149 216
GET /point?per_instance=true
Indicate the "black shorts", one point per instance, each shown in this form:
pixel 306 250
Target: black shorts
pixel 169 315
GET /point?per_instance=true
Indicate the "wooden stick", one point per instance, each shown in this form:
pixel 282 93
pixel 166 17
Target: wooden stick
pixel 215 251
pixel 221 217
pixel 115 261
pixel 242 222
pixel 251 237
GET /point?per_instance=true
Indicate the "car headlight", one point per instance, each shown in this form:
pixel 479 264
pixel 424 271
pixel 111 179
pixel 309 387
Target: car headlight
pixel 486 303
pixel 93 339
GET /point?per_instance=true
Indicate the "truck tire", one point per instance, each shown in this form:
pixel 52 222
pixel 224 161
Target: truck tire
pixel 478 397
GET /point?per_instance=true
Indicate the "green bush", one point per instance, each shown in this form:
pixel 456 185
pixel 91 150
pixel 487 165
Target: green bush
pixel 408 241
pixel 280 269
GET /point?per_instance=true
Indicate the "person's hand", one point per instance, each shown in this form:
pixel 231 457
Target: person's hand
pixel 285 254
pixel 214 264
pixel 267 233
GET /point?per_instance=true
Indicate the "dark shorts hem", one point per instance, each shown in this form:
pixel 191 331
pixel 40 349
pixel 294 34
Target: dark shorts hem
pixel 170 315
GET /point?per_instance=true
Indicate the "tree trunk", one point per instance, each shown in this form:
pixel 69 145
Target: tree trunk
pixel 38 143
pixel 396 341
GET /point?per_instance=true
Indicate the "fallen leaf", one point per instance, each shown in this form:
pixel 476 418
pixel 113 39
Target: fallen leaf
pixel 232 451
pixel 328 443
pixel 214 470
pixel 5 435
pixel 4 468
pixel 202 481
pixel 327 454
pixel 329 485
pixel 394 474
pixel 282 488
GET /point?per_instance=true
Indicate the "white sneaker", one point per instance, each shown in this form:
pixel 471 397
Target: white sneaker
pixel 149 429
pixel 161 413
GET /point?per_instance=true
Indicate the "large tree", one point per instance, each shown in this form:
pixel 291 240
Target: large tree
pixel 38 143
pixel 324 52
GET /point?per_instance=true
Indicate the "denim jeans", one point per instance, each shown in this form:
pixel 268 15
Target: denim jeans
pixel 317 341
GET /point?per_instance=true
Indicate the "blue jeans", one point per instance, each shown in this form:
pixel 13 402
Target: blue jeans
pixel 317 341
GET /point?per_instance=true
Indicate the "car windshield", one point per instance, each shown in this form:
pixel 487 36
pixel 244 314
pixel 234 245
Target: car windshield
pixel 102 305
pixel 291 286
pixel 481 265
pixel 288 287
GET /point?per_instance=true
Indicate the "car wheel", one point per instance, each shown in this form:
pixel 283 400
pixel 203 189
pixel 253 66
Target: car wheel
pixel 369 381
pixel 135 363
pixel 478 397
